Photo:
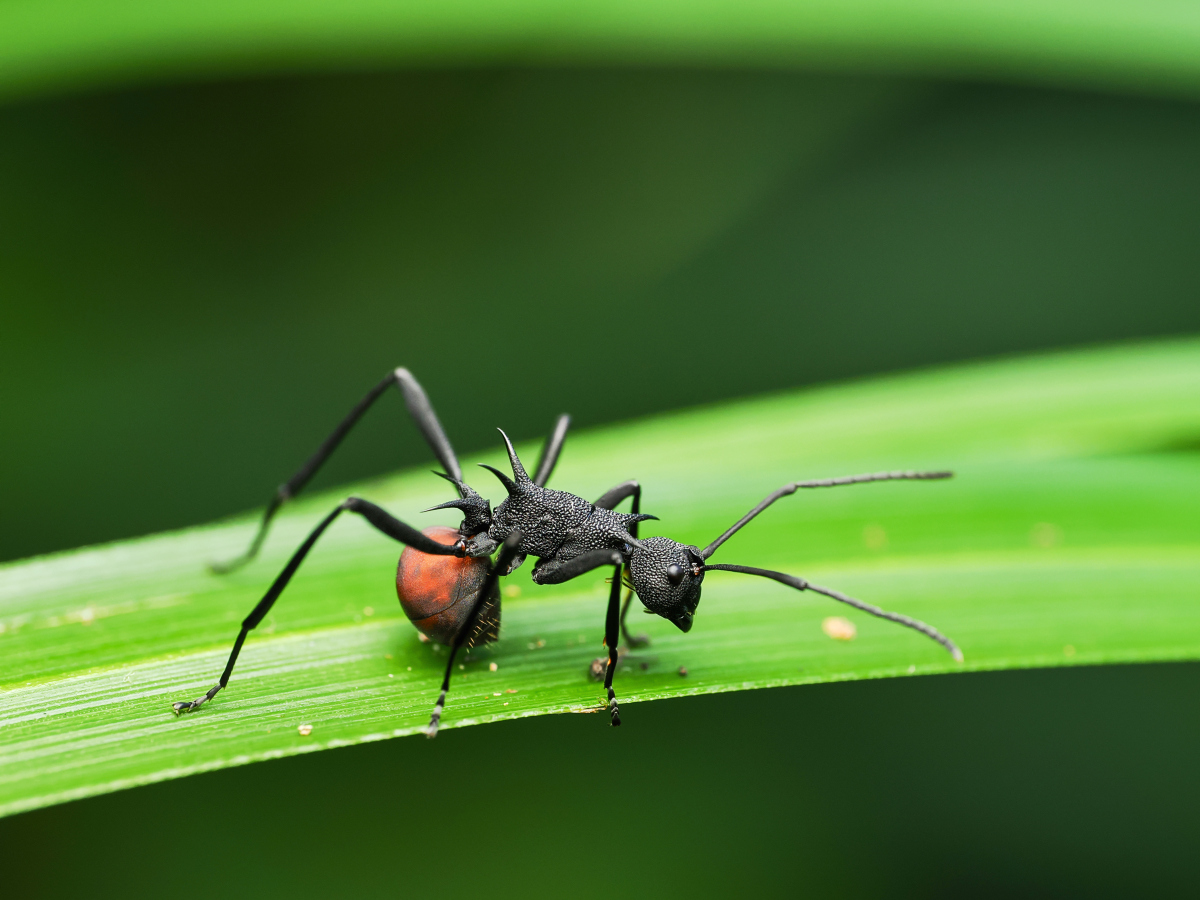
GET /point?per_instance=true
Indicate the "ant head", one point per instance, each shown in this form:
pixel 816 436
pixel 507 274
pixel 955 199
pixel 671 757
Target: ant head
pixel 666 577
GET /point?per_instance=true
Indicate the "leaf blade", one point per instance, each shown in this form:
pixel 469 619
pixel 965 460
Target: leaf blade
pixel 1068 537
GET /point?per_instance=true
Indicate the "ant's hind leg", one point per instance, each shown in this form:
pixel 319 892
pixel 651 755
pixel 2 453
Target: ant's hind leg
pixel 377 516
pixel 419 408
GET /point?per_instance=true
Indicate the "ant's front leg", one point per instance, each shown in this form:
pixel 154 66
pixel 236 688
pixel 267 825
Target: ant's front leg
pixel 611 638
pixel 553 571
pixel 609 500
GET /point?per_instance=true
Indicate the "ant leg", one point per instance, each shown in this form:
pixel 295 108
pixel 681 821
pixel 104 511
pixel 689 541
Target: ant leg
pixel 819 483
pixel 507 551
pixel 551 450
pixel 632 641
pixel 377 516
pixel 611 639
pixel 553 571
pixel 609 500
pixel 419 408
pixel 801 584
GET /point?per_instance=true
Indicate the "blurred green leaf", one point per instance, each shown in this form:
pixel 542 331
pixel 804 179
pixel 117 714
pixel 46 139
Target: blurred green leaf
pixel 1069 536
pixel 1153 43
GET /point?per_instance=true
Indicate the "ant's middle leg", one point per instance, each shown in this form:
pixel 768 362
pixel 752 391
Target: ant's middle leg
pixel 419 408
pixel 551 450
pixel 377 516
pixel 501 567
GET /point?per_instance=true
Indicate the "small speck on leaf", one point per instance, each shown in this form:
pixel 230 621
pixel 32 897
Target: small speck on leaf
pixel 304 730
pixel 683 671
pixel 492 667
pixel 839 628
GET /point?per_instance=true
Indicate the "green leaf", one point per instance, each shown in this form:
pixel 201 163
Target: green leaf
pixel 1069 536
pixel 1147 44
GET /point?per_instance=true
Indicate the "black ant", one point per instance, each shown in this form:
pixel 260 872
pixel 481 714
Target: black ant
pixel 455 599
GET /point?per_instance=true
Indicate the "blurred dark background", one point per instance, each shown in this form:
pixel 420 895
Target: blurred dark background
pixel 198 280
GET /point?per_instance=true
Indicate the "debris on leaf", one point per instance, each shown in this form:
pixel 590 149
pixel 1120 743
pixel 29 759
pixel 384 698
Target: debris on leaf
pixel 492 667
pixel 683 671
pixel 839 628
pixel 305 730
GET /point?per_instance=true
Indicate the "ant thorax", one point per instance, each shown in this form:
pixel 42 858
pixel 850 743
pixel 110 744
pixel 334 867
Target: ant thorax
pixel 556 526
pixel 559 526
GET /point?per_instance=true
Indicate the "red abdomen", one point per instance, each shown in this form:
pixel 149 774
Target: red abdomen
pixel 437 592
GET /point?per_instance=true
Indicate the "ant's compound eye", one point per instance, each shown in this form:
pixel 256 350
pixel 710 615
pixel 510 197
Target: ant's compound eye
pixel 674 574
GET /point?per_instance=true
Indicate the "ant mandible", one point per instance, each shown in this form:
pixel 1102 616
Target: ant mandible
pixel 456 599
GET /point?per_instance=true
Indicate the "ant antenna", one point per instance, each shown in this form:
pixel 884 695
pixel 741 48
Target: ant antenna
pixel 824 482
pixel 801 585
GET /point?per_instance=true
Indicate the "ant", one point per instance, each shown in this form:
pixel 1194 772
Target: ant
pixel 455 598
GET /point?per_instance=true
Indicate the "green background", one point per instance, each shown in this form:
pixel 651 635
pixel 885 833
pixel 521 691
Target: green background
pixel 199 280
pixel 207 255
